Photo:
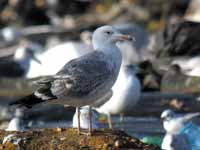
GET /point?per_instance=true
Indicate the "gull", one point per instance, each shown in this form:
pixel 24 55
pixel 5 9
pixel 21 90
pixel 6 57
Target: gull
pixel 126 93
pixel 19 65
pixel 189 65
pixel 64 51
pixel 83 81
pixel 173 124
pixel 84 117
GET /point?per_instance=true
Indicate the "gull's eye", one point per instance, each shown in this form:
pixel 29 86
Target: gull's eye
pixel 108 32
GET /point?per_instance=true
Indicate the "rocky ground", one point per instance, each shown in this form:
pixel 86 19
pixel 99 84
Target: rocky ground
pixel 69 139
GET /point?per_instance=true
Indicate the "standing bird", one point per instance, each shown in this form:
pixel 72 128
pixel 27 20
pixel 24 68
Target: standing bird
pixel 126 93
pixel 83 81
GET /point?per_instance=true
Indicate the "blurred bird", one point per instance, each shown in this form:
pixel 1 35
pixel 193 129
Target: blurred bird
pixel 126 93
pixel 189 65
pixel 172 122
pixel 65 52
pixel 175 142
pixel 149 77
pixel 175 80
pixel 19 65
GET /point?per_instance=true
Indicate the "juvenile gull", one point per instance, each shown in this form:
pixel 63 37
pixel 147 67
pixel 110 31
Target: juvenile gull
pixel 86 79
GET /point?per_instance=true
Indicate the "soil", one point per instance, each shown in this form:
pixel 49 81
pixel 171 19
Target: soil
pixel 69 139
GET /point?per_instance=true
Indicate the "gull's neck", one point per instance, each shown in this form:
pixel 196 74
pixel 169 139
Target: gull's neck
pixel 112 52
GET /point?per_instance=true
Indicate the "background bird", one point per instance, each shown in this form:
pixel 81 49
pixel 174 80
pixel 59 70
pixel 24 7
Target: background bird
pixel 19 65
pixel 173 124
pixel 126 93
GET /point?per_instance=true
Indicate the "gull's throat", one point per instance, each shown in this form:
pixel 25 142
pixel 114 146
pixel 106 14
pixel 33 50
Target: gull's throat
pixel 113 54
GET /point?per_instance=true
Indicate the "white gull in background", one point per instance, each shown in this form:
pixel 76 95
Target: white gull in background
pixel 84 80
pixel 19 65
pixel 127 88
pixel 84 118
pixel 189 65
pixel 173 124
pixel 61 54
pixel 126 93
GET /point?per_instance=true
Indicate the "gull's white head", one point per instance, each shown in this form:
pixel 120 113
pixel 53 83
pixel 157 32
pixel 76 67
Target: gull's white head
pixel 107 35
pixel 167 115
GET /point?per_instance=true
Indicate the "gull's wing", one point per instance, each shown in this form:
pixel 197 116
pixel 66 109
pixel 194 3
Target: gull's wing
pixel 180 142
pixel 99 102
pixel 83 75
pixel 77 78
pixel 175 142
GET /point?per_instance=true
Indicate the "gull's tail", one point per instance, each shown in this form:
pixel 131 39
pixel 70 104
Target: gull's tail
pixel 28 101
pixel 41 95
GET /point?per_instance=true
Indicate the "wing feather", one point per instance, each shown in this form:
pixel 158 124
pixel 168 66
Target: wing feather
pixel 81 76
